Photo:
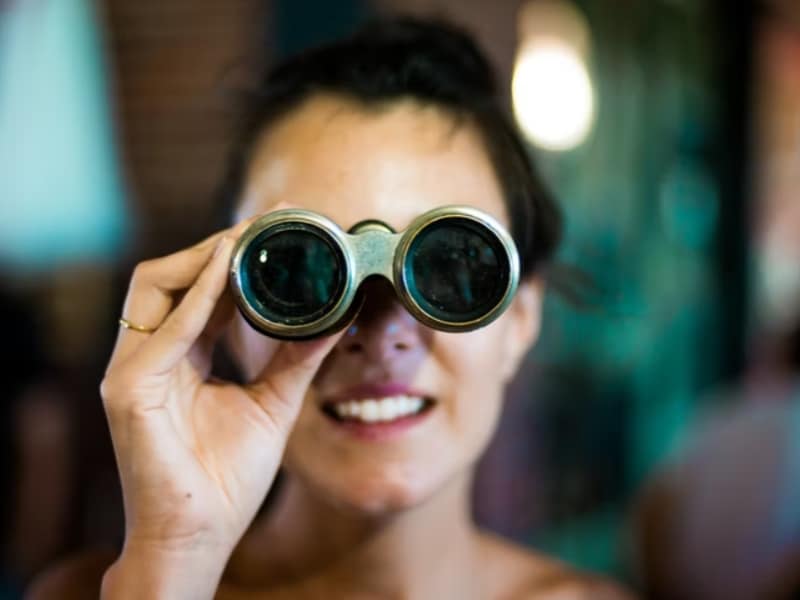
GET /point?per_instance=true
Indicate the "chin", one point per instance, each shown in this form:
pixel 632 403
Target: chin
pixel 375 490
pixel 380 502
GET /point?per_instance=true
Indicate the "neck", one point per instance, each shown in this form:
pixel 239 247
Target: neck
pixel 428 551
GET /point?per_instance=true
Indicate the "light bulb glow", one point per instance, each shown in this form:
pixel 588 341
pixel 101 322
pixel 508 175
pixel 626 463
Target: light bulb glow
pixel 552 94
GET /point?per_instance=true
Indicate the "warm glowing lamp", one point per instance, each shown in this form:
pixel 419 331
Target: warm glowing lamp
pixel 551 90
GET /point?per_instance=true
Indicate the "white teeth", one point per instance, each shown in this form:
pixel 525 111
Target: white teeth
pixel 370 410
pixel 387 409
pixel 414 404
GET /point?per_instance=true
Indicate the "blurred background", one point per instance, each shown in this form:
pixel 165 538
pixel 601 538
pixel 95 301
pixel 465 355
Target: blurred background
pixel 653 434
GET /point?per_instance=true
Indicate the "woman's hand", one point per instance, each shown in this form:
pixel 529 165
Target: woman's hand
pixel 196 457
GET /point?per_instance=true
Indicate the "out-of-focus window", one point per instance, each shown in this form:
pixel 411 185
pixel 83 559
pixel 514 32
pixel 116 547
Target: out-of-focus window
pixel 62 197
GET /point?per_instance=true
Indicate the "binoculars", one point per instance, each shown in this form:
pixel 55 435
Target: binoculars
pixel 295 274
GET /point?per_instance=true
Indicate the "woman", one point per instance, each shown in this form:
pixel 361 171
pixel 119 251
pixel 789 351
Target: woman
pixel 398 120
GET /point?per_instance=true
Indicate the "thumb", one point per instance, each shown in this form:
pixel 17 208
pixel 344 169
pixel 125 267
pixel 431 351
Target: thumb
pixel 281 386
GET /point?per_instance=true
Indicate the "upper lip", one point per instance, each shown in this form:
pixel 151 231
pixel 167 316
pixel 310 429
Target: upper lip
pixel 375 390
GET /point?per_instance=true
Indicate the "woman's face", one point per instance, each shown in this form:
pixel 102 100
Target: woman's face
pixel 349 163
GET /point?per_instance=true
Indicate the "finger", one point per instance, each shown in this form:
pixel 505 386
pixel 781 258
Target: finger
pixel 172 341
pixel 156 284
pixel 201 355
pixel 281 386
pixel 152 288
pixel 221 318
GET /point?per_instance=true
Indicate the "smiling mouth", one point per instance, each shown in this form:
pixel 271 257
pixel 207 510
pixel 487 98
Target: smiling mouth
pixel 373 411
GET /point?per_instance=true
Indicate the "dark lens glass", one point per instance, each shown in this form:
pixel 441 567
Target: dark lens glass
pixel 458 270
pixel 293 274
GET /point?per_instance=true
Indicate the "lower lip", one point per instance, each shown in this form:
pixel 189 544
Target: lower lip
pixel 384 430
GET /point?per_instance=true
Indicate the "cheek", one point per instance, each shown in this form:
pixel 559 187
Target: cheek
pixel 475 363
pixel 477 360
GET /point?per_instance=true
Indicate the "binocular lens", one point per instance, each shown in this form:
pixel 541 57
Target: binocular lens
pixel 296 274
pixel 293 274
pixel 458 271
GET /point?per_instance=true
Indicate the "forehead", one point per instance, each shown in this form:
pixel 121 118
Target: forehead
pixel 351 163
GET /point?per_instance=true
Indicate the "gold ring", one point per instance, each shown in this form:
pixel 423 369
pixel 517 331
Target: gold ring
pixel 141 328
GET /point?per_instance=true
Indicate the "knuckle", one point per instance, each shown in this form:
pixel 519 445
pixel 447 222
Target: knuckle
pixel 143 271
pixel 113 386
pixel 107 386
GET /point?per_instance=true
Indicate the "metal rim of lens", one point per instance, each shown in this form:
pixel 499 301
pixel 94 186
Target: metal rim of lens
pixel 401 268
pixel 446 235
pixel 265 290
pixel 282 330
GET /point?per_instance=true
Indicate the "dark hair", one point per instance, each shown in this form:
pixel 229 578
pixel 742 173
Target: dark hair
pixel 428 61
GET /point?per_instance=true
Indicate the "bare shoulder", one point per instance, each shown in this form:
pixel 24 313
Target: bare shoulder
pixel 517 573
pixel 74 578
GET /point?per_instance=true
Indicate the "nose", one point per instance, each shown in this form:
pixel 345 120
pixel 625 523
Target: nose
pixel 384 331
